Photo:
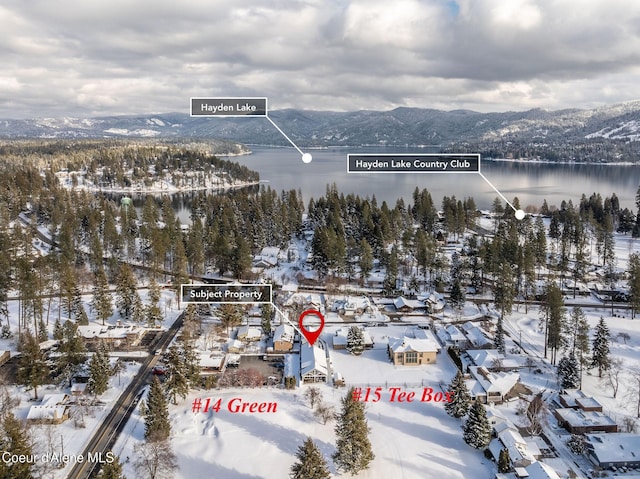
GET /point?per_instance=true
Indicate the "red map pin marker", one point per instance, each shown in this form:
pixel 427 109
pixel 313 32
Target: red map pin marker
pixel 311 336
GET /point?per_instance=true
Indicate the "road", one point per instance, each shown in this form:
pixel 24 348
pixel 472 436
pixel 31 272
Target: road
pixel 107 433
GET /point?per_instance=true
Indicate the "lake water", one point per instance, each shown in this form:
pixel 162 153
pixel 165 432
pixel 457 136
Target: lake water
pixel 282 168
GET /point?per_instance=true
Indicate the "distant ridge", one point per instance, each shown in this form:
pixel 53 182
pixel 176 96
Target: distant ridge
pixel 402 126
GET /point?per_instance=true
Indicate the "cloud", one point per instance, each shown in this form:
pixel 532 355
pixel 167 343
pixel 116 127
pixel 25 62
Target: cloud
pixel 78 58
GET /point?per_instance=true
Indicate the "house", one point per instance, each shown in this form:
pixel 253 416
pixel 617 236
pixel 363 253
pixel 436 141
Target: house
pixel 53 409
pixel 249 333
pixel 540 470
pixel 510 439
pixel 268 257
pixel 614 449
pixel 491 359
pixel 452 336
pixel 283 338
pixel 313 364
pixel 412 352
pixel 576 399
pixel 434 302
pixel 476 336
pixel 210 363
pixel 404 305
pixel 235 346
pixel 116 336
pixel 491 387
pixel 577 421
pixel 339 339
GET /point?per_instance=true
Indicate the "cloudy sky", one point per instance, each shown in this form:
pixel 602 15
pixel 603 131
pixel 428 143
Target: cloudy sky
pixel 99 57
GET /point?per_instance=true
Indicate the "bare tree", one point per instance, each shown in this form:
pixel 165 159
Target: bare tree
pixel 629 424
pixel 324 412
pixel 534 414
pixel 633 390
pixel 613 375
pixel 313 395
pixel 155 460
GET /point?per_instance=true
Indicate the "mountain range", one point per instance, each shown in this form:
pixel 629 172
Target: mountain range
pixel 401 126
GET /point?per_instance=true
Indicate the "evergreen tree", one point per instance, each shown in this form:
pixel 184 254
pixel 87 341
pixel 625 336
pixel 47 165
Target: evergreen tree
pixel 504 461
pixel 366 259
pixel 102 301
pixel 477 430
pixel 457 295
pixel 99 370
pixel 634 282
pixel 355 340
pixel 498 338
pixel 552 315
pixel 152 311
pixel 112 470
pixel 600 356
pixel 15 440
pixel 126 291
pixel 72 351
pixel 32 366
pixel 353 449
pixel 156 421
pixel 461 401
pixel 311 463
pixel 177 383
pixel 567 371
pixel 43 334
pixel 230 315
pixel 58 332
pixel 266 313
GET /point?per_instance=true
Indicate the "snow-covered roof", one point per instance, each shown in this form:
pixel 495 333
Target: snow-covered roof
pixel 475 335
pixel 312 358
pixel 52 407
pixel 492 382
pixel 250 333
pixel 284 332
pixel 91 331
pixel 579 418
pixel 207 360
pixel 403 345
pixel 489 358
pixel 540 470
pixel 509 438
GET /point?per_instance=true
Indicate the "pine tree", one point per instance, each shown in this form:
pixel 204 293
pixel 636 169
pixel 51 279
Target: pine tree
pixel 311 463
pixel 112 470
pixel 568 373
pixel 266 313
pixel 101 303
pixel 498 338
pixel 58 332
pixel 355 340
pixel 15 440
pixel 43 334
pixel 477 430
pixel 504 461
pixel 600 357
pixel 99 370
pixel 230 315
pixel 72 351
pixel 152 311
pixel 32 366
pixel 177 383
pixel 156 420
pixel 353 449
pixel 461 401
pixel 125 291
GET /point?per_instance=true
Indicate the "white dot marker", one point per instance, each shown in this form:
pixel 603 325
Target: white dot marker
pixel 306 158
pixel 520 214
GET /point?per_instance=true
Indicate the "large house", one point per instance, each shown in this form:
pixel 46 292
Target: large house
pixel 509 438
pixel 412 352
pixel 53 409
pixel 614 449
pixel 313 364
pixel 491 387
pixel 578 421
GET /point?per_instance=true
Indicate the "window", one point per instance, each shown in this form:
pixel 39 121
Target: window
pixel 411 358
